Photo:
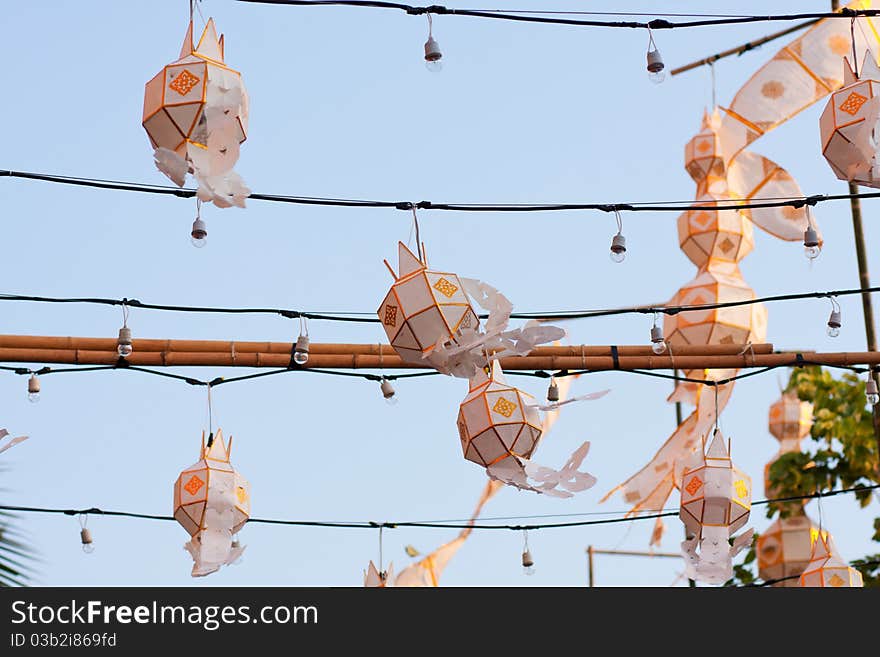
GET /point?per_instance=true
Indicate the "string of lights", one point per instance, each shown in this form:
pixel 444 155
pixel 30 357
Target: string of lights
pixel 371 318
pixel 408 206
pixel 553 17
pixel 418 524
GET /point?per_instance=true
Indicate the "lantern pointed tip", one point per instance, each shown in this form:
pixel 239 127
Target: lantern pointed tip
pixel 408 262
pixel 210 45
pixel 187 48
pixel 219 451
pixel 718 447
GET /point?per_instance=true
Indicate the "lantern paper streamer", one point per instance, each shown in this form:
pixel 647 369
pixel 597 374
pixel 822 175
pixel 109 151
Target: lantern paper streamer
pixel 212 502
pixel 428 316
pixel 12 442
pixel 784 549
pixel 715 502
pixel 848 126
pixel 500 427
pixel 828 569
pixel 196 114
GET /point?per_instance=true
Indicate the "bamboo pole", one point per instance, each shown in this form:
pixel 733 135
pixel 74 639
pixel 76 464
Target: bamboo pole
pixel 171 358
pixel 216 346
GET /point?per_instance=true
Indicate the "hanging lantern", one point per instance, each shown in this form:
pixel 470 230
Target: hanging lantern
pixel 723 235
pixel 716 501
pixel 212 502
pixel 424 308
pixel 849 122
pixel 784 549
pixel 375 578
pixel 702 154
pixel 500 427
pixel 828 569
pixel 195 114
pixel 790 421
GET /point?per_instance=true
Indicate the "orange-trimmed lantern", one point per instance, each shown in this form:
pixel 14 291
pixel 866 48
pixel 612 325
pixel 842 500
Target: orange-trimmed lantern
pixel 424 308
pixel 497 421
pixel 785 549
pixel 212 502
pixel 722 235
pixel 702 154
pixel 828 569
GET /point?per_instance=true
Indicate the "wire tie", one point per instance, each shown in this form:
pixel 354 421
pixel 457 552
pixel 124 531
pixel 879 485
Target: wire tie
pixel 614 357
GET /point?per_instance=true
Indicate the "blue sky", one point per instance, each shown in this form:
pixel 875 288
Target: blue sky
pixel 341 105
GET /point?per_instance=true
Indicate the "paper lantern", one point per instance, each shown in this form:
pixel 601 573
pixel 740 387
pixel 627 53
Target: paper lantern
pixel 195 114
pixel 828 569
pixel 723 235
pixel 374 578
pixel 497 421
pixel 702 154
pixel 785 549
pixel 849 122
pixel 212 502
pixel 719 283
pixel 790 420
pixel 424 308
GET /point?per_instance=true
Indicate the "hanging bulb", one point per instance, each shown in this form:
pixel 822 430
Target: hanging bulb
pixel 388 391
pixel 528 563
pixel 123 342
pixel 811 243
pixel 834 324
pixel 553 391
pixel 85 536
pixel 658 343
pixel 301 352
pixel 656 74
pixel 236 545
pixel 618 248
pixel 433 55
pixel 871 391
pixel 199 233
pixel 33 389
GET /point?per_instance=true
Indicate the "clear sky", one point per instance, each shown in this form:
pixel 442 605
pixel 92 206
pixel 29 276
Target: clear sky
pixel 342 106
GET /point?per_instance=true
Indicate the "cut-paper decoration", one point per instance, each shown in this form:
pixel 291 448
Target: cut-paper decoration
pixel 196 115
pixel 212 502
pixel 849 125
pixel 716 499
pixel 375 578
pixel 428 318
pixel 499 427
pixel 828 569
pixel 785 548
pixel 12 442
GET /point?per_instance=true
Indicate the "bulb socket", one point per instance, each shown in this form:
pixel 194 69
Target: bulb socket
pixel 302 344
pixel 85 536
pixel 432 50
pixel 655 61
pixel 553 391
pixel 527 560
pixel 811 237
pixel 387 389
pixel 871 387
pixel 656 334
pixel 834 319
pixel 124 337
pixel 618 244
pixel 199 229
pixel 33 385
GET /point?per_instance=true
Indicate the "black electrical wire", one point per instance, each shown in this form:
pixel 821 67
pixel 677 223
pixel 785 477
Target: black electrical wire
pixel 425 525
pixel 661 206
pixel 530 17
pixel 370 318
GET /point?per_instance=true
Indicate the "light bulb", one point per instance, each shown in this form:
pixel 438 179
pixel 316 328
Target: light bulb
pixel 33 389
pixel 655 67
pixel 811 243
pixel 88 548
pixel 658 343
pixel 123 342
pixel 834 324
pixel 199 233
pixel 388 392
pixel 85 536
pixel 618 248
pixel 871 392
pixel 301 352
pixel 528 563
pixel 433 56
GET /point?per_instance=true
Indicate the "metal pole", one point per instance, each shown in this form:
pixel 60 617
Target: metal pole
pixel 590 561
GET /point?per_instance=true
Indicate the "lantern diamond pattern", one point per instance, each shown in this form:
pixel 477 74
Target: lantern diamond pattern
pixel 184 82
pixel 193 485
pixel 853 103
pixel 424 308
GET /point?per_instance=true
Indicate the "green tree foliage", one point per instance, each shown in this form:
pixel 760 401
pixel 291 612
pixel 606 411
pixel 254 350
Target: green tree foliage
pixel 845 455
pixel 16 557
